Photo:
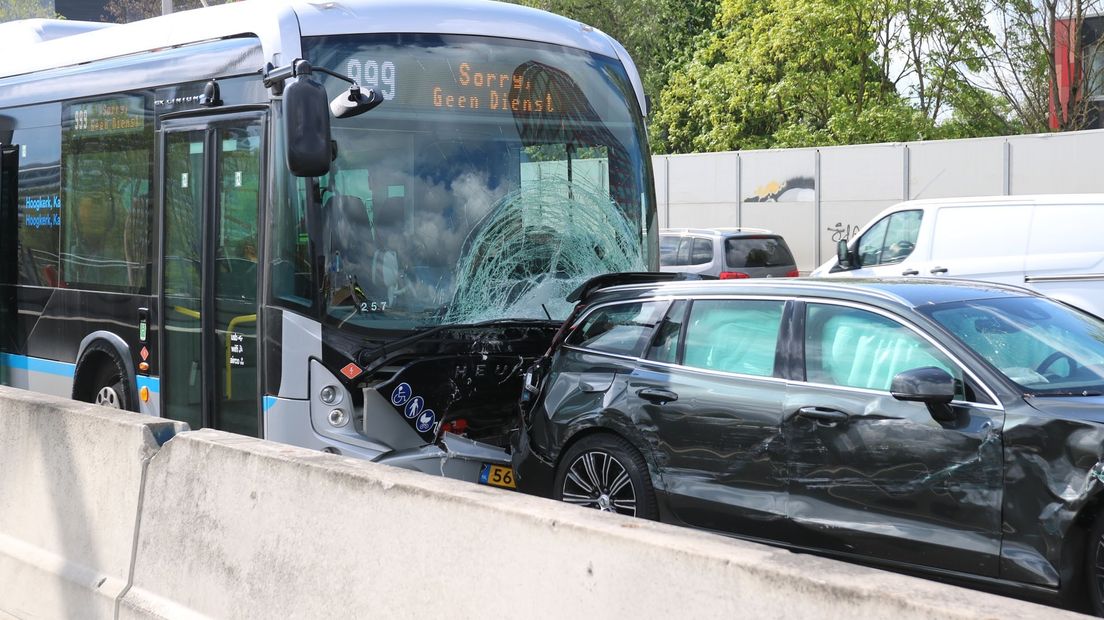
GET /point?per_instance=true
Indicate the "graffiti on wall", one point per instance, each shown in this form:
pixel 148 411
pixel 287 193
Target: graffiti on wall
pixel 843 232
pixel 794 189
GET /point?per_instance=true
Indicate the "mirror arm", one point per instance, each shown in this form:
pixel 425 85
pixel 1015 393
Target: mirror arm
pixel 335 74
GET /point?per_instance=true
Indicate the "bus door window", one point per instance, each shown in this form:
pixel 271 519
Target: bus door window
pixel 235 289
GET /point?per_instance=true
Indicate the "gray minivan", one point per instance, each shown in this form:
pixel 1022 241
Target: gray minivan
pixel 726 253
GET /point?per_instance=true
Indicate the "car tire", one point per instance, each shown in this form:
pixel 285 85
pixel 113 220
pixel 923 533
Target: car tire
pixel 107 383
pixel 1094 567
pixel 607 473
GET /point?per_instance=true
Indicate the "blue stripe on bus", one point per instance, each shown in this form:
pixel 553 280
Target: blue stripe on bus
pixel 35 364
pixel 153 383
pixel 61 369
pixel 269 402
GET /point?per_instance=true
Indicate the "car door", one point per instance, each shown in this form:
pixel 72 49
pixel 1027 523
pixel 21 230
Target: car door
pixel 881 478
pixel 711 395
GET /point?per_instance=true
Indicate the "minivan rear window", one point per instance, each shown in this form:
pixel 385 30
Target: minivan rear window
pixel 668 250
pixel 750 252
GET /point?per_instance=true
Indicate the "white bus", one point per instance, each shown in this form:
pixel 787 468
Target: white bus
pixel 203 219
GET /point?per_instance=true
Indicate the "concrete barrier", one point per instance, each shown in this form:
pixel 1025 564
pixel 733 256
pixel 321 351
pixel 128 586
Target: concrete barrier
pixel 236 527
pixel 98 519
pixel 70 484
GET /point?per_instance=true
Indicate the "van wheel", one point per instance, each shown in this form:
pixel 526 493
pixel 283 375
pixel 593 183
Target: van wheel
pixel 105 381
pixel 607 473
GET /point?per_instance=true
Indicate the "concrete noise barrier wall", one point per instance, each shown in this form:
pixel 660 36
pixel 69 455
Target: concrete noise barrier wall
pixel 229 526
pixel 70 485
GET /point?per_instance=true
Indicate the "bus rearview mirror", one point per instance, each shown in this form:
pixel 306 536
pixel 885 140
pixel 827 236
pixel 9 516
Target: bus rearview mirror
pixel 307 128
pixel 353 102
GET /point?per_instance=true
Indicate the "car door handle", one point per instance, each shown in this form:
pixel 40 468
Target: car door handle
pixel 939 270
pixel 657 396
pixel 823 415
pixel 910 272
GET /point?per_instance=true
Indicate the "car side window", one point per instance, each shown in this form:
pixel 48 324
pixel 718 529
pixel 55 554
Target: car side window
pixel 891 240
pixel 857 348
pixel 665 345
pixel 685 244
pixel 622 329
pixel 733 335
pixel 702 253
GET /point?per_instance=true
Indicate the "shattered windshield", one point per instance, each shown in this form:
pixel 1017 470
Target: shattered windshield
pixel 496 177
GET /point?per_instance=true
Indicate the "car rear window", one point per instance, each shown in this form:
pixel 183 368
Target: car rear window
pixel 751 252
pixel 623 329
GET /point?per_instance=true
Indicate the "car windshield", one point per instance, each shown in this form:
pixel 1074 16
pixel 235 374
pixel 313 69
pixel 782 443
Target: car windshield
pixel 1045 347
pixel 748 252
pixel 496 176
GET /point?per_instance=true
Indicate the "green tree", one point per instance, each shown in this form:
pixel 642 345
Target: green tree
pixel 786 73
pixel 657 33
pixel 126 11
pixel 783 73
pixel 11 10
pixel 1019 65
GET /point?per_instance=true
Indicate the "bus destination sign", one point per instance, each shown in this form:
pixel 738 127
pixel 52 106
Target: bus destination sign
pixel 485 88
pixel 107 116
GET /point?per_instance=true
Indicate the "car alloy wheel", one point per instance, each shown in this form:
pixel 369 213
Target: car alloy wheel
pixel 596 479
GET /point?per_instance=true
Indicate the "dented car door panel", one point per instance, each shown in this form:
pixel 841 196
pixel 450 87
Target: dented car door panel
pixel 716 447
pixel 888 481
pixel 1053 475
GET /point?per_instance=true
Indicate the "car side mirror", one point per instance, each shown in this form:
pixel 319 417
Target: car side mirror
pixel 843 255
pixel 932 386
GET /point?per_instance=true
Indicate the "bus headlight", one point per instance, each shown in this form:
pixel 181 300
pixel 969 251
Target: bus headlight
pixel 338 417
pixel 329 395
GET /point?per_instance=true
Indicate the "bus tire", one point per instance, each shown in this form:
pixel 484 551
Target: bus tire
pixel 102 379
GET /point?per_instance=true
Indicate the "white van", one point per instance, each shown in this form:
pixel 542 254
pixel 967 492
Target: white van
pixel 1051 243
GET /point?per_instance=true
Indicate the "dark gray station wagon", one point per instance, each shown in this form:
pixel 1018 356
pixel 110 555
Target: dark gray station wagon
pixel 952 429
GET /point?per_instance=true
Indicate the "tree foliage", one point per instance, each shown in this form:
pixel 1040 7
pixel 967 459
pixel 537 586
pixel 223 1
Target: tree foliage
pixel 786 73
pixel 126 11
pixel 657 33
pixel 11 10
pixel 1019 65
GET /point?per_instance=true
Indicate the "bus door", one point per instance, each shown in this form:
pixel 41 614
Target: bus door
pixel 212 171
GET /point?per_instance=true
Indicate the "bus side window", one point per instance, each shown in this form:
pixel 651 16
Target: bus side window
pixel 105 241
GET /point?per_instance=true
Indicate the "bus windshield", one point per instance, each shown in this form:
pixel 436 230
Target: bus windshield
pixel 496 176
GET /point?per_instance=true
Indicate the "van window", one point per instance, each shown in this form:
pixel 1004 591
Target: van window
pixel 668 250
pixel 981 232
pixel 702 254
pixel 739 336
pixel 891 240
pixel 623 329
pixel 683 257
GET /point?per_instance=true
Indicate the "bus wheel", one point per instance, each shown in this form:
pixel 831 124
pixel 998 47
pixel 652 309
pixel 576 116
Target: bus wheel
pixel 102 379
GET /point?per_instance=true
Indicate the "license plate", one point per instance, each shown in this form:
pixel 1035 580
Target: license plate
pixel 497 476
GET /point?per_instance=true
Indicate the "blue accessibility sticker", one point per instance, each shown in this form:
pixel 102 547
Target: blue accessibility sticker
pixel 414 407
pixel 400 395
pixel 426 421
